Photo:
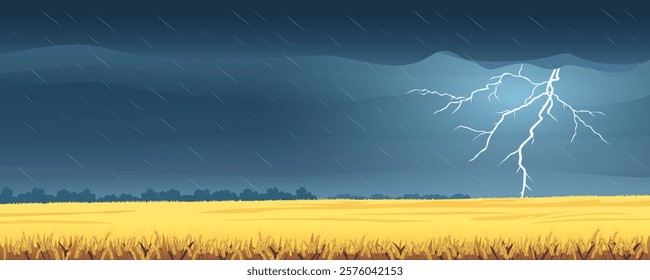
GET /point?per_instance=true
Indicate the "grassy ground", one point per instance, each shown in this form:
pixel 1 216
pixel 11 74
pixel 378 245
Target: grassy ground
pixel 564 227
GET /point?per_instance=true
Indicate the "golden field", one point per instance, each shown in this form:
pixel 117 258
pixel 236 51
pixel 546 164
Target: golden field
pixel 529 228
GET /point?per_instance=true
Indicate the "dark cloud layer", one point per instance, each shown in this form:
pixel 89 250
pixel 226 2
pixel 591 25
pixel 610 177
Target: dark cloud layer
pixel 395 33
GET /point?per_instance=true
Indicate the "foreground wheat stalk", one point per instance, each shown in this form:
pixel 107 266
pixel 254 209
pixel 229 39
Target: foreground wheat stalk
pixel 163 247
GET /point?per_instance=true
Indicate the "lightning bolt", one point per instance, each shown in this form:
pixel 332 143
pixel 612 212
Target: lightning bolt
pixel 549 99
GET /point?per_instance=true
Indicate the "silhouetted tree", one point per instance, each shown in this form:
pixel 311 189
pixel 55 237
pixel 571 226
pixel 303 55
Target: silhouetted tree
pixel 302 193
pixel 434 196
pixel 201 195
pixel 275 194
pixel 64 196
pixel 170 195
pixel 128 197
pixel 6 195
pixel 149 195
pixel 187 197
pixel 248 194
pixel 459 195
pixel 86 196
pixel 108 198
pixel 37 195
pixel 68 196
pixel 224 195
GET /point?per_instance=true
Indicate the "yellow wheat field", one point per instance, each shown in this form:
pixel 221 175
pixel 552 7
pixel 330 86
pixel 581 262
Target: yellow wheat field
pixel 530 228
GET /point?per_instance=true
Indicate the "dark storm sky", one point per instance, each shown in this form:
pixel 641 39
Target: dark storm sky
pixel 125 96
pixel 393 32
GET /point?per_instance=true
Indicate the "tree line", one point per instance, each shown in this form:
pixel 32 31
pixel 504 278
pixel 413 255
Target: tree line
pixel 38 195
pixel 406 196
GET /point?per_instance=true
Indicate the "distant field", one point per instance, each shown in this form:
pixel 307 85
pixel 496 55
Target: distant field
pixel 474 228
